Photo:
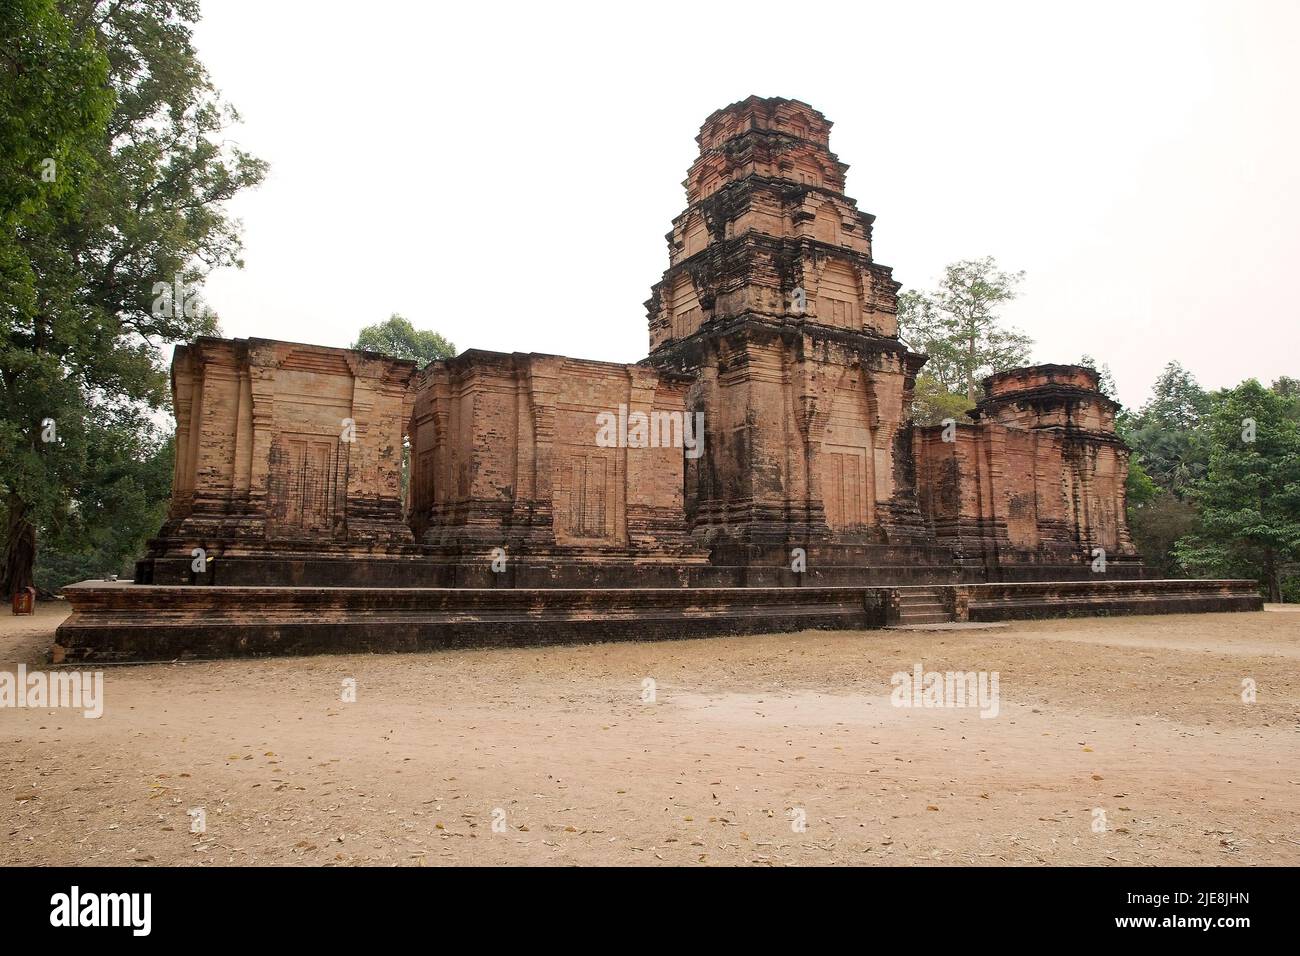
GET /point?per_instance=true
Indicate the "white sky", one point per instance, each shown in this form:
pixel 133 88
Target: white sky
pixel 505 173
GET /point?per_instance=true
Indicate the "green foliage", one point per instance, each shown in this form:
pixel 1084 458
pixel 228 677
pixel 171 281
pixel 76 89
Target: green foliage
pixel 1288 389
pixel 117 508
pixel 137 201
pixel 1203 501
pixel 958 327
pixel 1291 587
pixel 1177 401
pixel 1166 434
pixel 1156 525
pixel 1249 499
pixel 932 403
pixel 1139 489
pixel 54 100
pixel 1105 378
pixel 399 338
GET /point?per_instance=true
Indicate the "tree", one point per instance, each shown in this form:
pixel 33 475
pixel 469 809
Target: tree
pixel 1105 378
pixel 1166 433
pixel 118 505
pixel 142 211
pixel 54 102
pixel 1177 400
pixel 933 404
pixel 1289 389
pixel 399 338
pixel 1250 496
pixel 1156 525
pixel 957 325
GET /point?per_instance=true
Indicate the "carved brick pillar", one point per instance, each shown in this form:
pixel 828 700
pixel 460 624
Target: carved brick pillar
pixel 183 393
pixel 543 386
pixel 899 510
pixel 243 463
pixel 261 381
pixel 637 463
pixel 992 489
pixel 812 416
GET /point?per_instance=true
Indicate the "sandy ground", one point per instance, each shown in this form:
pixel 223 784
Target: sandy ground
pixel 1141 718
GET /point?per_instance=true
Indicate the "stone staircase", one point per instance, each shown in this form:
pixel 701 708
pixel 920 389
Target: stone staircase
pixel 921 605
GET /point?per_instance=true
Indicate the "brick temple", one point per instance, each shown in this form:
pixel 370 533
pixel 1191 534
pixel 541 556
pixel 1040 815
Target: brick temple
pixel 764 443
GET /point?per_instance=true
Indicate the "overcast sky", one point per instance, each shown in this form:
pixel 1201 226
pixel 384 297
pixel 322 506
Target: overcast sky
pixel 505 173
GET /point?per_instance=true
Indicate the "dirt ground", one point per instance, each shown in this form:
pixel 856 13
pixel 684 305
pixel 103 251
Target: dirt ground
pixel 1141 718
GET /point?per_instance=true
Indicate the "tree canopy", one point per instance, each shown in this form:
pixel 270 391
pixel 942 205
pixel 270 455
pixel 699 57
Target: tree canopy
pixel 1249 498
pixel 129 203
pixel 399 338
pixel 958 327
pixel 1166 434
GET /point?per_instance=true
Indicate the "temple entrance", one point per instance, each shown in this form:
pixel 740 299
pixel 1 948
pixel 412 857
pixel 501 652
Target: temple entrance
pixel 308 483
pixel 844 487
pixel 846 462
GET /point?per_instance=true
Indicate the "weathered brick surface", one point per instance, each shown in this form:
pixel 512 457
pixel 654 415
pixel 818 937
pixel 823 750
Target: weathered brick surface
pixel 773 303
pixel 285 448
pixel 508 451
pixel 131 622
pixel 1039 478
pixel 125 622
pixel 1022 599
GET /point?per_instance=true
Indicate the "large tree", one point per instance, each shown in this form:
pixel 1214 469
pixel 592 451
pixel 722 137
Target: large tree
pixel 141 211
pixel 399 338
pixel 1249 498
pixel 958 326
pixel 54 104
pixel 1157 522
pixel 1166 432
pixel 1171 450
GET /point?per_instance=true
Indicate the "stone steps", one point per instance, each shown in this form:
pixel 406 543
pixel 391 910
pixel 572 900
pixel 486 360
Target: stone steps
pixel 922 606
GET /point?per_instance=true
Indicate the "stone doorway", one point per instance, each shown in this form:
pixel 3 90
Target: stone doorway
pixel 308 484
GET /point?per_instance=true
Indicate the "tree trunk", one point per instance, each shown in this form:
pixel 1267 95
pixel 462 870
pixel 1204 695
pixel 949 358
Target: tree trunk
pixel 1274 583
pixel 19 549
pixel 970 369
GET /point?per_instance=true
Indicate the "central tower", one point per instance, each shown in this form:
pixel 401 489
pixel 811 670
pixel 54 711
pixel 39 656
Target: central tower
pixel 773 302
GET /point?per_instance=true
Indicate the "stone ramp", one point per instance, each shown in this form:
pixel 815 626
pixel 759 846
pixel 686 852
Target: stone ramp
pixel 121 622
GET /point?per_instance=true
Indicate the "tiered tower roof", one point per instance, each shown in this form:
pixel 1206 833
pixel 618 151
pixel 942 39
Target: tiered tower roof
pixel 768 232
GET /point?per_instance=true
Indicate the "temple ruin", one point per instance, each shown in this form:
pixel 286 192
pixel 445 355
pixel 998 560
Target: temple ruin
pixel 479 489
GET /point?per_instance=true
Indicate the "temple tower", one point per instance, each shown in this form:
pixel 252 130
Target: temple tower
pixel 774 303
